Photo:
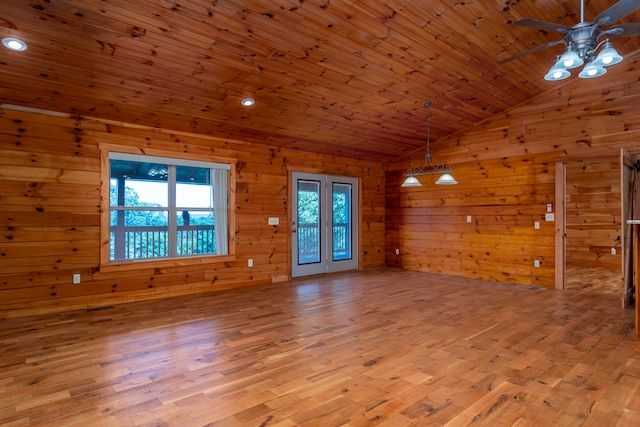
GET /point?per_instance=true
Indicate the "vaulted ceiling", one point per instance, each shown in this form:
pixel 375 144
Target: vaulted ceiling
pixel 328 76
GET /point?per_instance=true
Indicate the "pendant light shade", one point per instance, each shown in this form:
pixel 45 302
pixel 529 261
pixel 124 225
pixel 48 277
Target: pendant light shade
pixel 446 179
pixel 411 181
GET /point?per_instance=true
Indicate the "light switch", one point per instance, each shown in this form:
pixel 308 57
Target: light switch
pixel 274 221
pixel 536 225
pixel 549 217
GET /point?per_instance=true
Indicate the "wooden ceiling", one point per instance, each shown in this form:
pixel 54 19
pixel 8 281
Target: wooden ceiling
pixel 329 76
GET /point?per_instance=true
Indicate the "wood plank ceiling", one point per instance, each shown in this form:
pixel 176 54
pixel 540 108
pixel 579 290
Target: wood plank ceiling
pixel 329 76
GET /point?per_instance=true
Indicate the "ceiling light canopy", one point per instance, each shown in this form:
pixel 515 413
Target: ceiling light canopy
pixel 14 44
pixel 428 168
pixel 247 102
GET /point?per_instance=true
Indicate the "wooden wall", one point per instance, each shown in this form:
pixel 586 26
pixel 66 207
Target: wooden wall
pixel 503 198
pixel 50 213
pixel 593 213
pixel 505 167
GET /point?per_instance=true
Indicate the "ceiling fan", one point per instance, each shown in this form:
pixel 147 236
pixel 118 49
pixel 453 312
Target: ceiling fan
pixel 582 40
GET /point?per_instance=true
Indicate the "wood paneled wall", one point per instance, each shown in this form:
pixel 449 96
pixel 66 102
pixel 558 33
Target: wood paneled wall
pixel 50 213
pixel 593 215
pixel 505 167
pixel 482 228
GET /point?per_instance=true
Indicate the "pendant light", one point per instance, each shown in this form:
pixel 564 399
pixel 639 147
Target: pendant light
pixel 428 168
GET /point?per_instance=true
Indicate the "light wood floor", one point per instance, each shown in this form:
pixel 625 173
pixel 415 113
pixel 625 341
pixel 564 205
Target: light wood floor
pixel 377 348
pixel 598 280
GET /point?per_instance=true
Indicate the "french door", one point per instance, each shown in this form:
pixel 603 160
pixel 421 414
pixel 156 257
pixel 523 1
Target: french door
pixel 324 231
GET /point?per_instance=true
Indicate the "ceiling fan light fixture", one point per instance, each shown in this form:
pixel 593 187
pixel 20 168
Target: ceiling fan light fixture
pixel 608 55
pixel 582 40
pixel 592 70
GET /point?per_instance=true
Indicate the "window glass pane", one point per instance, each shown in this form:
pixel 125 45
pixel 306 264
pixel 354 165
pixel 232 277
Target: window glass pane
pixel 193 187
pixel 143 235
pixel 140 218
pixel 144 184
pixel 146 194
pixel 195 233
pixel 308 222
pixel 341 214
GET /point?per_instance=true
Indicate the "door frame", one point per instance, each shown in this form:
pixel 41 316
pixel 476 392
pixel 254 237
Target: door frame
pixel 628 176
pixel 560 217
pixel 560 221
pixel 356 220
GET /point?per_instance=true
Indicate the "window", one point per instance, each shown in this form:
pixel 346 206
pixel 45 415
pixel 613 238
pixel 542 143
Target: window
pixel 165 208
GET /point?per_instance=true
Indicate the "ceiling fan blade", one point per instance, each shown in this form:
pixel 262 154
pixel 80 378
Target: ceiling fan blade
pixel 617 11
pixel 628 30
pixel 542 25
pixel 527 52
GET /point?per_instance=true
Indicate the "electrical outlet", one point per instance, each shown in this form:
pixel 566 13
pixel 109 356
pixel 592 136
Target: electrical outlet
pixel 536 225
pixel 250 262
pixel 397 251
pixel 76 279
pixel 613 251
pixel 468 218
pixel 549 208
pixel 536 263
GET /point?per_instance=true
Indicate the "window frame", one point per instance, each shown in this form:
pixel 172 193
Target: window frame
pixel 106 264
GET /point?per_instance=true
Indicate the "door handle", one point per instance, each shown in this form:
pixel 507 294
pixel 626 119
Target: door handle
pixel 293 230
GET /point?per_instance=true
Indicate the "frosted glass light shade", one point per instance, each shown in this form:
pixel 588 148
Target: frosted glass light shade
pixel 592 70
pixel 608 56
pixel 411 181
pixel 570 59
pixel 557 72
pixel 446 179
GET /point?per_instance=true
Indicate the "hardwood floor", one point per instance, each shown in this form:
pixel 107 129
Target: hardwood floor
pixel 598 280
pixel 385 348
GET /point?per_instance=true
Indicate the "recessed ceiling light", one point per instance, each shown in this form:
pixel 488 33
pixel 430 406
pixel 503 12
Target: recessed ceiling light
pixel 14 44
pixel 248 102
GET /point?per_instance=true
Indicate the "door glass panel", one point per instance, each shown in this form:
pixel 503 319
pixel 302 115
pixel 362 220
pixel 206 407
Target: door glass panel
pixel 341 219
pixel 308 222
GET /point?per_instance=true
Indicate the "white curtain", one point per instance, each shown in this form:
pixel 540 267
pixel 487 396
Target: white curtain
pixel 220 210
